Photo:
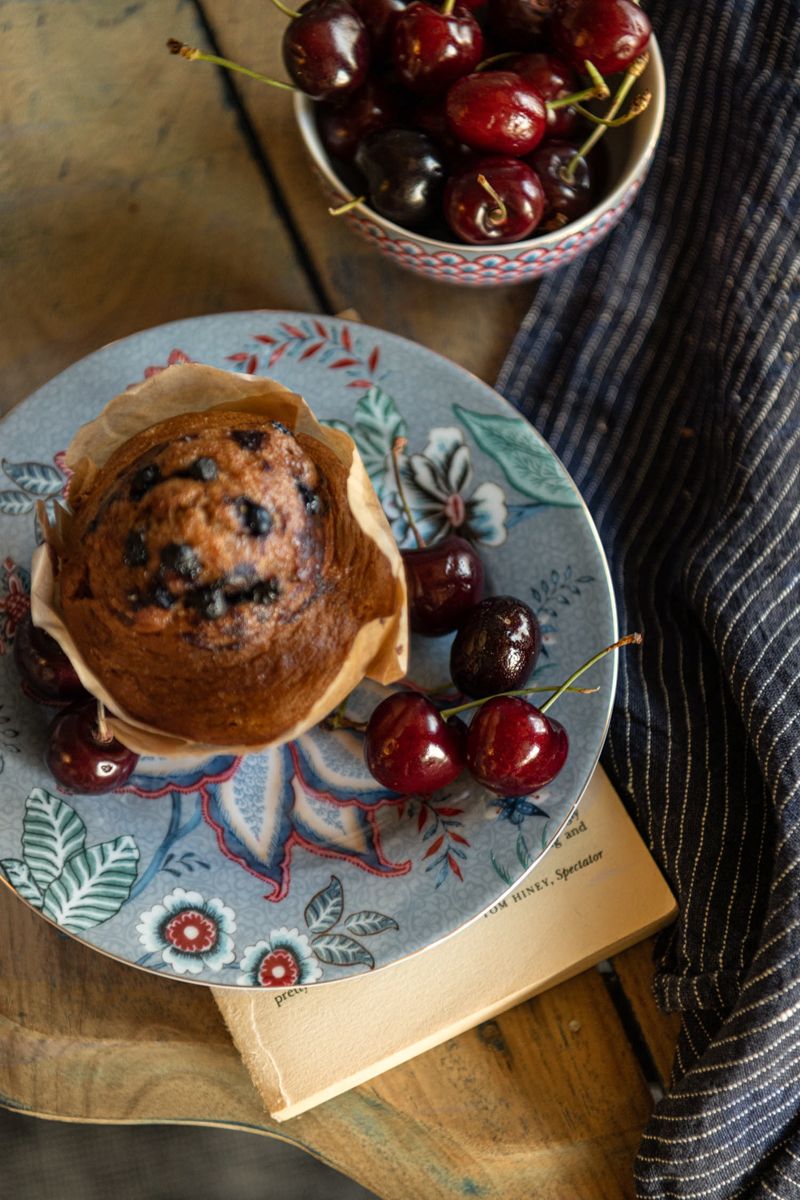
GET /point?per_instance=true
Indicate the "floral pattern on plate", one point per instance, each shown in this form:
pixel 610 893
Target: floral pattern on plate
pixel 223 874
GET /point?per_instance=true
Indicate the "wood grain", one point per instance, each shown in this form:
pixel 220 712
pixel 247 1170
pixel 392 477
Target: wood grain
pixel 130 198
pixel 635 970
pixel 545 1100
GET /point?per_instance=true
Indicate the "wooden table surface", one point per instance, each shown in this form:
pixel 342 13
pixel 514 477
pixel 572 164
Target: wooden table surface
pixel 138 189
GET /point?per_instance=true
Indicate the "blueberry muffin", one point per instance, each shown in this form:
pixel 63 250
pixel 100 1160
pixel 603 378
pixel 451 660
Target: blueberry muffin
pixel 213 576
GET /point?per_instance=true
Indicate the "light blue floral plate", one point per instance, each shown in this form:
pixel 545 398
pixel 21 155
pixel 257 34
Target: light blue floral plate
pixel 293 867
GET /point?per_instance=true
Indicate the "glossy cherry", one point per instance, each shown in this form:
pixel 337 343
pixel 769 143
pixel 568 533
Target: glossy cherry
pixel 404 173
pixel 432 47
pixel 409 748
pixel 444 581
pixel 379 17
pixel 43 666
pixel 342 126
pixel 496 647
pixel 565 199
pixel 496 112
pixel 83 756
pixel 494 200
pixel 610 33
pixel 326 49
pixel 553 79
pixel 513 748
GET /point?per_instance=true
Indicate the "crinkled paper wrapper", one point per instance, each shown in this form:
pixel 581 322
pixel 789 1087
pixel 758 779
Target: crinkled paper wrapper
pixel 380 648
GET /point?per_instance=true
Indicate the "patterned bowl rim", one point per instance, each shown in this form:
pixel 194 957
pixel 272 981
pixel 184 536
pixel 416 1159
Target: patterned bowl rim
pixel 654 116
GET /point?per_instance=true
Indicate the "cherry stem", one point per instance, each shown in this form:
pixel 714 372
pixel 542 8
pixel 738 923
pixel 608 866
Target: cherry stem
pixel 496 58
pixel 499 214
pixel 631 75
pixel 398 446
pixel 448 7
pixel 629 639
pixel 340 720
pixel 102 734
pixel 638 105
pixel 348 205
pixel 287 12
pixel 596 92
pixel 192 54
pixel 446 713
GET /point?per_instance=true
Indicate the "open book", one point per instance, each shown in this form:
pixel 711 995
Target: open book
pixel 594 893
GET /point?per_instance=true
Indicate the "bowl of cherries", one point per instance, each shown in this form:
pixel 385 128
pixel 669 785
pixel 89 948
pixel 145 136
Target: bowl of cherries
pixel 471 141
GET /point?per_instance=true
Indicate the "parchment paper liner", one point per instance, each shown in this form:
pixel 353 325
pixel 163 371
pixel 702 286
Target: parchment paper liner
pixel 380 648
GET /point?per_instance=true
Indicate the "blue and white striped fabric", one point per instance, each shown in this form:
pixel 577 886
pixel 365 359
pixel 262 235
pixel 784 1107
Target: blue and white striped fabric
pixel 664 369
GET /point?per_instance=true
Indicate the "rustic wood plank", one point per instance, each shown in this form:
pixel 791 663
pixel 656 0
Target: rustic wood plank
pixel 474 326
pixel 635 970
pixel 129 197
pixel 546 1100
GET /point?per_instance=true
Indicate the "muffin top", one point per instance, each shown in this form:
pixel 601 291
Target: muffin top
pixel 214 577
pixel 214 534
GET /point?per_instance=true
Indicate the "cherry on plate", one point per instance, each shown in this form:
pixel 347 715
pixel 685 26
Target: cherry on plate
pixel 496 647
pixel 513 749
pixel 445 580
pixel 43 665
pixel 409 748
pixel 82 755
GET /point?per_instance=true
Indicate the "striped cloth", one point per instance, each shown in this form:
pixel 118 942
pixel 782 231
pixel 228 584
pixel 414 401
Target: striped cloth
pixel 663 369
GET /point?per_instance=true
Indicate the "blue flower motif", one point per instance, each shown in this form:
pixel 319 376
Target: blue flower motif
pixel 437 484
pixel 189 932
pixel 516 808
pixel 284 959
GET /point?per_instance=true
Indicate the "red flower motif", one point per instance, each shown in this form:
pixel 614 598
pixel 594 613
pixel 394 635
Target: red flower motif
pixel 191 931
pixel 13 606
pixel 279 968
pixel 175 356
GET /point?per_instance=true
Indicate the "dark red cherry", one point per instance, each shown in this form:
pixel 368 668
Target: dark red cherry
pixel 431 48
pixel 496 647
pixel 430 116
pixel 444 581
pixel 494 200
pixel 404 173
pixel 43 665
pixel 342 126
pixel 610 33
pixel 520 24
pixel 326 49
pixel 379 17
pixel 565 200
pixel 496 112
pixel 553 79
pixel 81 759
pixel 513 748
pixel 409 748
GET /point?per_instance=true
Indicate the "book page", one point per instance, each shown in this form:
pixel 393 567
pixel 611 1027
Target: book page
pixel 594 893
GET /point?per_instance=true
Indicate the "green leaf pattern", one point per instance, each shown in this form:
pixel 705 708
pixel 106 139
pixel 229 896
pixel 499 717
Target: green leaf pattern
pixel 77 887
pixel 527 465
pixel 93 885
pixel 51 833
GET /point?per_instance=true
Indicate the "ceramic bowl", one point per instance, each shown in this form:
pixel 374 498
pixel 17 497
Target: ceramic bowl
pixel 629 150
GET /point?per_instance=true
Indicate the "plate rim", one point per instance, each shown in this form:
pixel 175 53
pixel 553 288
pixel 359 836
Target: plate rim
pixel 449 364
